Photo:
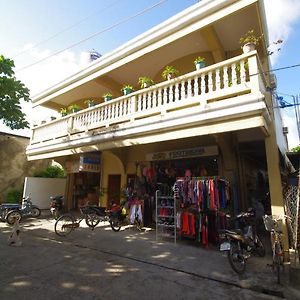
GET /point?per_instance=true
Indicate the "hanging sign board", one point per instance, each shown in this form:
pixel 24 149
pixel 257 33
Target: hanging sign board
pixel 86 163
pixel 89 163
pixel 183 153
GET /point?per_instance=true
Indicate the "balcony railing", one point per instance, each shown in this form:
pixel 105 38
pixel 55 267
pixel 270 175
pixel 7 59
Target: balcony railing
pixel 237 76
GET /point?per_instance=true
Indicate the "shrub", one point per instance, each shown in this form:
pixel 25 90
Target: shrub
pixel 14 196
pixel 51 172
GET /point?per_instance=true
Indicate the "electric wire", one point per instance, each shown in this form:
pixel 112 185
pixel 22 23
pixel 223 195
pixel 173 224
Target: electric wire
pixel 95 34
pixel 65 30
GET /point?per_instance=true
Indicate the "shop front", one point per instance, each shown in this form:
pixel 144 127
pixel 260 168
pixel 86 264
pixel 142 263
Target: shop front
pixel 83 180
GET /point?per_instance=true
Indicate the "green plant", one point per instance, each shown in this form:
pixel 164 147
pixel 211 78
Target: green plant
pixel 250 37
pixel 296 149
pixel 145 81
pixel 51 172
pixel 90 102
pixel 73 108
pixel 63 111
pixel 107 95
pixel 127 89
pixel 168 72
pixel 199 59
pixel 14 196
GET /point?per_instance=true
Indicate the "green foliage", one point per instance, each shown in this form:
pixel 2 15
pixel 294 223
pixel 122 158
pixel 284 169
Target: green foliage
pixel 12 91
pixel 14 196
pixel 169 70
pixel 74 107
pixel 127 87
pixel 144 80
pixel 63 111
pixel 250 37
pixel 199 59
pixel 51 172
pixel 296 149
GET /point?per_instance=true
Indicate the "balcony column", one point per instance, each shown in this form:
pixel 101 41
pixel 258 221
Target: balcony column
pixel 70 125
pixel 133 107
pixel 254 73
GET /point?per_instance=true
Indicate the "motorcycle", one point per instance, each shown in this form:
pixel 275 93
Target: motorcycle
pixel 5 208
pixel 241 243
pixel 120 215
pixel 56 206
pixel 27 209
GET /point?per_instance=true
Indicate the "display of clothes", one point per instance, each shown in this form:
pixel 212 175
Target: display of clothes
pixel 201 200
pixel 204 192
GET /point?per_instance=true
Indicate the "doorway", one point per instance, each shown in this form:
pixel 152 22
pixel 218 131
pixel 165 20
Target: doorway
pixel 113 190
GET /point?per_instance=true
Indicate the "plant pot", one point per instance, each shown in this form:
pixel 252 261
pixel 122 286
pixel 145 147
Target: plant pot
pixel 170 76
pixel 127 91
pixel 74 110
pixel 107 98
pixel 63 114
pixel 199 65
pixel 248 47
pixel 91 104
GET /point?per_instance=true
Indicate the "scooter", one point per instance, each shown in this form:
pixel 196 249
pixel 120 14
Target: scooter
pixel 56 206
pixel 27 209
pixel 241 243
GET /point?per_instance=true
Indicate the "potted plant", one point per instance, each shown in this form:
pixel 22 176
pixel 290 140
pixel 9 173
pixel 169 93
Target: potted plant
pixel 127 89
pixel 63 111
pixel 145 81
pixel 73 108
pixel 90 102
pixel 107 96
pixel 249 41
pixel 169 72
pixel 199 62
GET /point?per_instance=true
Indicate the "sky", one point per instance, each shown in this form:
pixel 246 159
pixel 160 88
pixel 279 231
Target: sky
pixel 31 30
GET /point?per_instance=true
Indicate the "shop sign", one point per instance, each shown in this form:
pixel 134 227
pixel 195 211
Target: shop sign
pixel 85 163
pixel 89 163
pixel 184 153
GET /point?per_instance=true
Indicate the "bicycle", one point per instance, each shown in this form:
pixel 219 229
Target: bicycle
pixel 273 224
pixel 68 222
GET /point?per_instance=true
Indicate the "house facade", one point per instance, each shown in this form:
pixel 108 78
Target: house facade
pixel 220 121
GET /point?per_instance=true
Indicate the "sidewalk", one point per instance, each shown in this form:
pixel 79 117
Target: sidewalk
pixel 141 247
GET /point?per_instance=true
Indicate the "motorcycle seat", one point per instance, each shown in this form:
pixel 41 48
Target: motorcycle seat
pixel 233 231
pixel 10 206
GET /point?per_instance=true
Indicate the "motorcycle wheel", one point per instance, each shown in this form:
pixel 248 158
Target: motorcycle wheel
pixel 64 225
pixel 35 212
pixel 12 216
pixel 260 248
pixel 236 258
pixel 92 220
pixel 115 224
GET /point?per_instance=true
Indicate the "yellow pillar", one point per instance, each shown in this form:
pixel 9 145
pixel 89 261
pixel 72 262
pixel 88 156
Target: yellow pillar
pixel 275 184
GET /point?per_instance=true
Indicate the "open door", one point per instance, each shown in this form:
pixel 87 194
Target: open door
pixel 114 190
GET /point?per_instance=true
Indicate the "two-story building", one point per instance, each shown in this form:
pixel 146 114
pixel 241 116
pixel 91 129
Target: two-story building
pixel 218 121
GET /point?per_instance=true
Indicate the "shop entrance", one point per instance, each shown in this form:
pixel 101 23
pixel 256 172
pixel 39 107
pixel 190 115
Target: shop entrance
pixel 114 189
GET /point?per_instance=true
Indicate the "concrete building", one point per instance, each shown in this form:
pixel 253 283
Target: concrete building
pixel 222 117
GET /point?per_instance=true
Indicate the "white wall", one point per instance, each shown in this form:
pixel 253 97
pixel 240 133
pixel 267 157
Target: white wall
pixel 42 188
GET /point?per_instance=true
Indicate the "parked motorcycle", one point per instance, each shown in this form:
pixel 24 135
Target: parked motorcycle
pixel 241 243
pixel 6 207
pixel 119 215
pixel 27 209
pixel 56 206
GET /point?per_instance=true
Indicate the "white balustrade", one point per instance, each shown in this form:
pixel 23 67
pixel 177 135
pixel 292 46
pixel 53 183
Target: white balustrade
pixel 201 85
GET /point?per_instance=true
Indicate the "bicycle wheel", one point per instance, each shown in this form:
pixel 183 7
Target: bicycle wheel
pixel 259 247
pixel 92 220
pixel 64 225
pixel 236 258
pixel 115 224
pixel 277 260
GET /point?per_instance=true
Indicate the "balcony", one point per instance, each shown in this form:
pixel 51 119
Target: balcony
pixel 220 97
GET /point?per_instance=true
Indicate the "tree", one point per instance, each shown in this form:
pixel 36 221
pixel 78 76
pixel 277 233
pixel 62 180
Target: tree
pixel 12 91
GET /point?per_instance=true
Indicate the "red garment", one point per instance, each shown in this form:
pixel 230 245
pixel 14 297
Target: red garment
pixel 185 224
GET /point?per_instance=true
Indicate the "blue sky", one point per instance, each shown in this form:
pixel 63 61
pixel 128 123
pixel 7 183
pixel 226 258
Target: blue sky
pixel 26 23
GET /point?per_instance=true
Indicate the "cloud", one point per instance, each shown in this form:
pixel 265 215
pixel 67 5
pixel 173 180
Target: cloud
pixel 281 15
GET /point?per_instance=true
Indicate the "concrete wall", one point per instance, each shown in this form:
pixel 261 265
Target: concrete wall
pixel 42 188
pixel 13 163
